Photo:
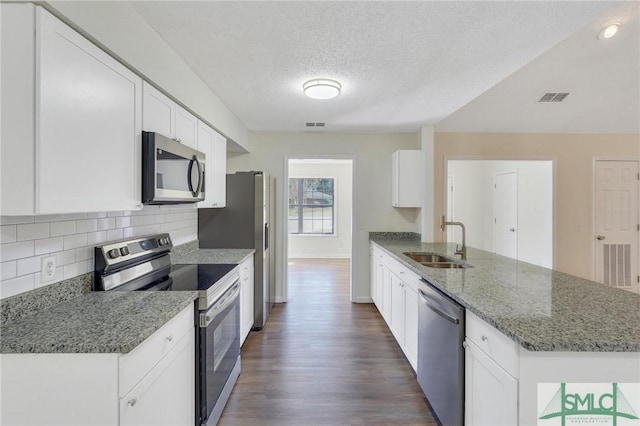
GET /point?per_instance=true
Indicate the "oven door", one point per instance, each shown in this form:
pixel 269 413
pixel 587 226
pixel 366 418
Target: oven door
pixel 219 347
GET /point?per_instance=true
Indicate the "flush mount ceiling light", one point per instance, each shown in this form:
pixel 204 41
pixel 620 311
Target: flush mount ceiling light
pixel 321 88
pixel 608 31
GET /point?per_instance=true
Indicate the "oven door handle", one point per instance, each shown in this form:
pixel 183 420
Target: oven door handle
pixel 223 303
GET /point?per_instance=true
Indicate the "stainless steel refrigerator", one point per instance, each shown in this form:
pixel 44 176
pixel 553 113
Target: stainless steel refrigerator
pixel 245 222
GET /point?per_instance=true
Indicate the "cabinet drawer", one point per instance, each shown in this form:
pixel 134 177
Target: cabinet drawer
pixel 171 383
pixel 406 275
pixel 134 365
pixel 381 256
pixel 496 345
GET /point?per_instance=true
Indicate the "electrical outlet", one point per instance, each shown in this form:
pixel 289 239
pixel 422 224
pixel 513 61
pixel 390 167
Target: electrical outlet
pixel 48 270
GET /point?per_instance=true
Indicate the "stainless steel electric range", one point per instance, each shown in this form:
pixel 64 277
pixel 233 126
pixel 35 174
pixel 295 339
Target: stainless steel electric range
pixel 143 264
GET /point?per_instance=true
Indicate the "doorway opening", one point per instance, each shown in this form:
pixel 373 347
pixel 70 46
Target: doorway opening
pixel 507 206
pixel 319 237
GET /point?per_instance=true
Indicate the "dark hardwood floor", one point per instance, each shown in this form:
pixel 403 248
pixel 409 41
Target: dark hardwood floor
pixel 322 360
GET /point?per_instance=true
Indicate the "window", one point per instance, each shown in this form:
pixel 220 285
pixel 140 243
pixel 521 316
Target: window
pixel 311 208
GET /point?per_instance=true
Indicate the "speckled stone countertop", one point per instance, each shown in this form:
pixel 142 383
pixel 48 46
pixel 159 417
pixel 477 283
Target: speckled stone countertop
pixel 99 322
pixel 540 309
pixel 190 253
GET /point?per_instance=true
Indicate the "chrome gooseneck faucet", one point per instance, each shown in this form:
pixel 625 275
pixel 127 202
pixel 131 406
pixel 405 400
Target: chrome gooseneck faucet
pixel 462 251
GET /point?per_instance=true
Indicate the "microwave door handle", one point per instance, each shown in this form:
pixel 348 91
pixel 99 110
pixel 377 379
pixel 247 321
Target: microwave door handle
pixel 194 192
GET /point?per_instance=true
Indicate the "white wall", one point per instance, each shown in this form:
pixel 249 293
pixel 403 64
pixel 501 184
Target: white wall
pixel 372 209
pixel 337 245
pixel 122 31
pixel 473 199
pixel 25 240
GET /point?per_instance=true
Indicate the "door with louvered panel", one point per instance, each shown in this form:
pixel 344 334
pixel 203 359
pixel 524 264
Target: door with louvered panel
pixel 616 224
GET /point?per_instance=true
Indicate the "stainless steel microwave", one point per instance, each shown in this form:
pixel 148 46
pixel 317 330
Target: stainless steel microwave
pixel 172 173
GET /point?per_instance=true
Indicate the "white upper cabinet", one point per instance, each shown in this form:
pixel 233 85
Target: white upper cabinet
pixel 214 146
pixel 158 112
pixel 71 120
pixel 162 115
pixel 407 178
pixel 186 128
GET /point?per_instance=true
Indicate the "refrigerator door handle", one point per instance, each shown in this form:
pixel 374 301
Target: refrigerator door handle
pixel 266 236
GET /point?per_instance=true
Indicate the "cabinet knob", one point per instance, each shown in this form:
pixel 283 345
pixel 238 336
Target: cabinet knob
pixel 484 338
pixel 132 401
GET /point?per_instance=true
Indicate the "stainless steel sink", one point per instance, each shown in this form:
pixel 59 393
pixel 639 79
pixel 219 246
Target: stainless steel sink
pixel 435 260
pixel 443 265
pixel 427 257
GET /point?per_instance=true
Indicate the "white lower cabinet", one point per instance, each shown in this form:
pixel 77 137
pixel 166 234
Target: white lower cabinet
pixel 154 384
pixel 397 308
pixel 394 292
pixel 491 394
pixel 377 278
pixel 156 399
pixel 411 326
pixel 404 315
pixel 246 298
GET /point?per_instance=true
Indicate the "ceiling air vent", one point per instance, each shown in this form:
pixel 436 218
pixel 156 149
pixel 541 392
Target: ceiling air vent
pixel 315 124
pixel 554 97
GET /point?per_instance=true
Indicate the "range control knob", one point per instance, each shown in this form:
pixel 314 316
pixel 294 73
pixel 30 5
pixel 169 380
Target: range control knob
pixel 113 253
pixel 164 241
pixel 124 251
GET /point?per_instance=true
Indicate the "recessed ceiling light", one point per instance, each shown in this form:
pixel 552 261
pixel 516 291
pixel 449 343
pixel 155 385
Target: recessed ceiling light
pixel 608 31
pixel 321 88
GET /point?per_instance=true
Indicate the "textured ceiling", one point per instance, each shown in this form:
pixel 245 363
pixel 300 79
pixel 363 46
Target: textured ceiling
pixel 601 76
pixel 402 64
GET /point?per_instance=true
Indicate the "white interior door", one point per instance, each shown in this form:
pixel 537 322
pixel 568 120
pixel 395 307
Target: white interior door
pixel 616 224
pixel 505 207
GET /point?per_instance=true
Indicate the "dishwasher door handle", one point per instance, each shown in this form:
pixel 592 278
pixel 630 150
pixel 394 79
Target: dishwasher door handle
pixel 425 300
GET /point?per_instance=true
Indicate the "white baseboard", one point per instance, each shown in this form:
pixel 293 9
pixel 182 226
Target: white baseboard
pixel 279 299
pixel 365 299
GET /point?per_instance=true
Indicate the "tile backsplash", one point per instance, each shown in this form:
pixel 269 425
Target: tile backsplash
pixel 25 240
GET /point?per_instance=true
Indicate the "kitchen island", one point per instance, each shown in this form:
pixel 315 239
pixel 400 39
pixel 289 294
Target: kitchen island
pixel 546 326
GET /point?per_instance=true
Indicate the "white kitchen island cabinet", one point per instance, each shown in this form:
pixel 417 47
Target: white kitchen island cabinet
pixel 71 120
pixel 529 333
pixel 491 393
pixel 394 291
pixel 214 146
pixel 154 384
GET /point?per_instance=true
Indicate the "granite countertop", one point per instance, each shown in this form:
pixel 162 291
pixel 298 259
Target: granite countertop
pixel 540 309
pixel 98 322
pixel 68 318
pixel 191 254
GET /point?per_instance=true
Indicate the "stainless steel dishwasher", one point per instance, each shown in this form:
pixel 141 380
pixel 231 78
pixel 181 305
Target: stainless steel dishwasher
pixel 441 354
